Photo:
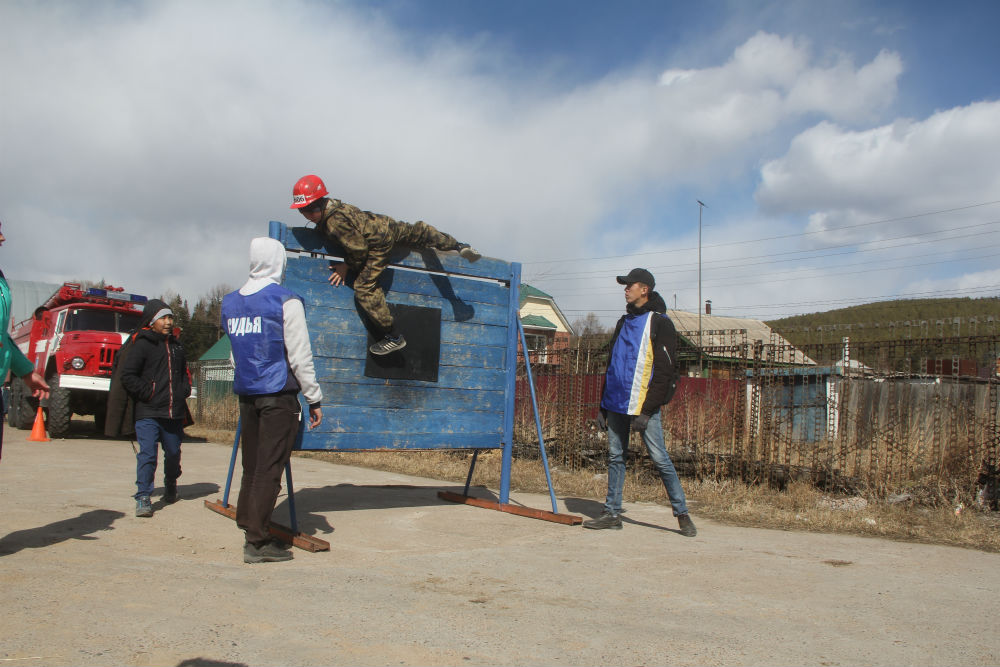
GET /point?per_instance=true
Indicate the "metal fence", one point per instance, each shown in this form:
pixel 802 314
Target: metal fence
pixel 877 418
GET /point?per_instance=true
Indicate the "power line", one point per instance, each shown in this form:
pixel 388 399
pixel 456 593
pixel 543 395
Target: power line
pixel 771 238
pixel 673 269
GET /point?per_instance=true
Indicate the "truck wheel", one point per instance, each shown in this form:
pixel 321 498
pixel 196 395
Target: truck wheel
pixel 21 413
pixel 58 417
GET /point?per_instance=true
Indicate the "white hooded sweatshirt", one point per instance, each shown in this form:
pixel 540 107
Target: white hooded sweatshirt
pixel 267 266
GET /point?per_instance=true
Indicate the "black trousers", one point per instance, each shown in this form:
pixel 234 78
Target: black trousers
pixel 269 426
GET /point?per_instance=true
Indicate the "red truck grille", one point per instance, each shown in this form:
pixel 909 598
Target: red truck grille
pixel 107 359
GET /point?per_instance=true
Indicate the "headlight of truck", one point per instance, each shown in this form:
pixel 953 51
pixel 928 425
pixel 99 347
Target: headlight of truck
pixel 77 363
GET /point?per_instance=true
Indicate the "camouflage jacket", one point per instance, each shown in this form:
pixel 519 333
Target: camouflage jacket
pixel 358 232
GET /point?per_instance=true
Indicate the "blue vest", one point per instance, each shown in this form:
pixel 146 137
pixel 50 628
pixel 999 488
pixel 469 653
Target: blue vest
pixel 255 326
pixel 631 367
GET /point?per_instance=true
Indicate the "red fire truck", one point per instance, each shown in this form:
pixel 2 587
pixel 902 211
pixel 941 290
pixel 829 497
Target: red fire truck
pixel 73 338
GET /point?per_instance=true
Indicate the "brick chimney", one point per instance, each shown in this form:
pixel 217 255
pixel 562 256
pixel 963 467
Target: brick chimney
pixel 708 306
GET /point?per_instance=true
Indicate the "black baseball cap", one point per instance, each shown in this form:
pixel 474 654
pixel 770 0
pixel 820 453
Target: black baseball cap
pixel 638 276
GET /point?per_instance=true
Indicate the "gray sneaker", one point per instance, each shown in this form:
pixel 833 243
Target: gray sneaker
pixel 606 520
pixel 468 253
pixel 143 507
pixel 270 552
pixel 686 525
pixel 388 345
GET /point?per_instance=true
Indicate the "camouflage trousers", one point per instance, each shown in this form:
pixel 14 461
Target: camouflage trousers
pixel 367 292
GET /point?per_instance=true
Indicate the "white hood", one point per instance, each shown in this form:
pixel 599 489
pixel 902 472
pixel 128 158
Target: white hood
pixel 267 265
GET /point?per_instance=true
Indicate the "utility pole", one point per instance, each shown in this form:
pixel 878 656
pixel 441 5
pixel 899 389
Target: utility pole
pixel 701 205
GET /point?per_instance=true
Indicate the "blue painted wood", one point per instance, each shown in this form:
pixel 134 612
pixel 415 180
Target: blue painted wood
pixel 353 442
pixel 309 240
pixel 342 298
pixel 510 382
pixel 354 346
pixel 344 395
pixel 313 271
pixel 344 323
pixel 450 377
pixel 470 405
pixel 410 420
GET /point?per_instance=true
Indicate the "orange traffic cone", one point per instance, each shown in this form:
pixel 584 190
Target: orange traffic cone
pixel 38 430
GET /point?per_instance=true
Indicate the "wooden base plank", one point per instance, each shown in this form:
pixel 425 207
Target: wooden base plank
pixel 300 540
pixel 568 519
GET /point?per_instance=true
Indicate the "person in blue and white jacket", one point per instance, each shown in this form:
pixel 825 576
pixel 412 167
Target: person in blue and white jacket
pixel 273 362
pixel 641 377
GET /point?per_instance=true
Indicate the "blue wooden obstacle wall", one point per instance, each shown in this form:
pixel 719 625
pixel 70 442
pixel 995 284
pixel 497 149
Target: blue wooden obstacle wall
pixel 472 403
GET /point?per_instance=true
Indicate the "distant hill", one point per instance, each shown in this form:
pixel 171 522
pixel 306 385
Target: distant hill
pixel 903 318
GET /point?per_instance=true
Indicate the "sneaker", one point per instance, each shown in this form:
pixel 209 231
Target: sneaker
pixel 387 345
pixel 170 491
pixel 686 526
pixel 468 253
pixel 143 507
pixel 606 520
pixel 269 552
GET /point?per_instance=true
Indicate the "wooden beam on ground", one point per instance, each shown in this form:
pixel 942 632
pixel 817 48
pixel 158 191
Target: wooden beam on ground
pixel 568 519
pixel 300 540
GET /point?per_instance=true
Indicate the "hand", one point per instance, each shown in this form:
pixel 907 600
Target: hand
pixel 315 417
pixel 602 419
pixel 639 423
pixel 339 274
pixel 39 388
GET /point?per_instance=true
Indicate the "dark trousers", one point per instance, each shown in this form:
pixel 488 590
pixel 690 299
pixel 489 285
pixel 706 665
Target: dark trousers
pixel 270 424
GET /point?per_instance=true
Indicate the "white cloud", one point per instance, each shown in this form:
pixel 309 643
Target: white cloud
pixel 148 142
pixel 842 177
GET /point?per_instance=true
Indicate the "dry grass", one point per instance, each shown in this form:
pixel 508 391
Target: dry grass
pixel 799 506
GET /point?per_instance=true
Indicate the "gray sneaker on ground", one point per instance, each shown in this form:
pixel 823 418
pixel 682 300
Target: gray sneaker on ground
pixel 143 507
pixel 269 552
pixel 686 525
pixel 388 345
pixel 606 520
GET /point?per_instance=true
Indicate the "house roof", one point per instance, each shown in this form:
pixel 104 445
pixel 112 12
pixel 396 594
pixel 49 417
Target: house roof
pixel 537 321
pixel 720 334
pixel 221 350
pixel 527 292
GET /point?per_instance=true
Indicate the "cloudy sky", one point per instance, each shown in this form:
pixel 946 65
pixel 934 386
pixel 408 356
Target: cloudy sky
pixel 846 152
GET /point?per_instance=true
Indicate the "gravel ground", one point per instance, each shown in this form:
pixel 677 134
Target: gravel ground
pixel 414 580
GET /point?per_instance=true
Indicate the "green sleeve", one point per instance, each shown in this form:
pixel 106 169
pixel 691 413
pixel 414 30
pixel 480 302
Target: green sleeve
pixel 19 364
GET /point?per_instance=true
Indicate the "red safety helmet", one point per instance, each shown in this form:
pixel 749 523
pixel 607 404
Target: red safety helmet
pixel 307 190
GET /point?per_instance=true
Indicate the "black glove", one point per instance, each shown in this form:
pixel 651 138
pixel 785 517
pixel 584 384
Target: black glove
pixel 639 423
pixel 602 419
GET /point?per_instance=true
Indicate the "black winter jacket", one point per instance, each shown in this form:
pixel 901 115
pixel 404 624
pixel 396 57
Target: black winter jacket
pixel 663 384
pixel 155 375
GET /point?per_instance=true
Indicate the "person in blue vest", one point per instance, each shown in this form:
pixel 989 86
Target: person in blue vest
pixel 11 357
pixel 640 379
pixel 273 362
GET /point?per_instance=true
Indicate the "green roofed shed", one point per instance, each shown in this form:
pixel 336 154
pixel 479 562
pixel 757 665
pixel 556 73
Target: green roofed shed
pixel 218 352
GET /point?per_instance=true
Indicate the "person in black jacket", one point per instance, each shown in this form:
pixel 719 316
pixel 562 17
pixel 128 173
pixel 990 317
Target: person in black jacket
pixel 154 373
pixel 641 378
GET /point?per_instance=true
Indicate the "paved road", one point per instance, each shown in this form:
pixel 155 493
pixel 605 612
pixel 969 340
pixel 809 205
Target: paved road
pixel 411 579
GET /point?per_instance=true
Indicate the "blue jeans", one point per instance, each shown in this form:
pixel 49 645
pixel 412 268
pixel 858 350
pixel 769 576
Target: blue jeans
pixel 150 432
pixel 618 429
